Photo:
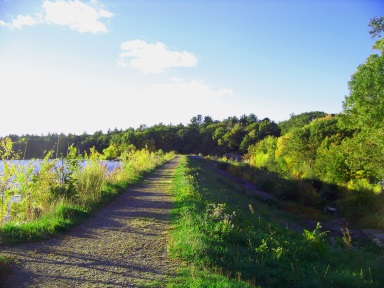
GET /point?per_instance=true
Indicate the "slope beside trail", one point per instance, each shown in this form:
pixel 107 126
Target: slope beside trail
pixel 122 245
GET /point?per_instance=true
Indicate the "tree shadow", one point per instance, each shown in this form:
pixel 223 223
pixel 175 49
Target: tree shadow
pixel 313 200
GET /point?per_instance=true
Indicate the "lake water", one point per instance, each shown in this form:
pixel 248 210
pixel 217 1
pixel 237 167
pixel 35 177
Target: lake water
pixel 111 165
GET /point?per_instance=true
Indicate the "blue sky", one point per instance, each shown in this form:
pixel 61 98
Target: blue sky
pixel 84 66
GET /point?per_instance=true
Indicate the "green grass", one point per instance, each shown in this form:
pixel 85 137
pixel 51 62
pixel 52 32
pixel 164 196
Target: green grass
pixel 229 239
pixel 63 218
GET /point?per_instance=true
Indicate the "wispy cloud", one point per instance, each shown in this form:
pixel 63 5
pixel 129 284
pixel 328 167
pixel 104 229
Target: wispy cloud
pixel 75 14
pixel 153 58
pixel 20 21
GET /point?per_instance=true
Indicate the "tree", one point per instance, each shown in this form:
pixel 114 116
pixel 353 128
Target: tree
pixel 251 118
pixel 364 112
pixel 262 155
pixel 377 26
pixel 299 121
pixel 243 119
pixel 364 107
pixel 244 145
pixel 208 120
pixel 231 121
pixel 232 139
pixel 197 120
pixel 268 128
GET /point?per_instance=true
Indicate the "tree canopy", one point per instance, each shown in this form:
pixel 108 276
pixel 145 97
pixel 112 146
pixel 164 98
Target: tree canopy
pixel 364 106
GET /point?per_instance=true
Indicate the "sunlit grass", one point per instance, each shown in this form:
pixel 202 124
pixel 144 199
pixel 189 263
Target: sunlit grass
pixel 233 240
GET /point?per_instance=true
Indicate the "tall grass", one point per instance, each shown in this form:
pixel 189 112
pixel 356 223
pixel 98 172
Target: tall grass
pixel 52 202
pixel 90 179
pixel 229 239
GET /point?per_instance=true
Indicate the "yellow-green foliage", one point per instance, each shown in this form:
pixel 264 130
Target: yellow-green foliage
pixel 112 152
pixel 89 180
pixel 135 162
pixel 6 187
pixel 33 187
pixel 6 150
pixel 41 185
pixel 363 184
pixel 43 182
pixel 303 171
pixel 260 160
pixel 262 155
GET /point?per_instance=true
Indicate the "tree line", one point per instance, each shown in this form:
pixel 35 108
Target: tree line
pixel 202 135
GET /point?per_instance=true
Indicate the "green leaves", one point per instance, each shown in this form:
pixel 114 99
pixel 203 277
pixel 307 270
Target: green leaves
pixel 364 107
pixel 6 150
pixel 377 26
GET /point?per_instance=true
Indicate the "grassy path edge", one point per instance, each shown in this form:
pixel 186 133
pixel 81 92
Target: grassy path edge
pixel 250 249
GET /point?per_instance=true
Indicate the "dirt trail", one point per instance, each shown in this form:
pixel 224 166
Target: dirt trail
pixel 122 245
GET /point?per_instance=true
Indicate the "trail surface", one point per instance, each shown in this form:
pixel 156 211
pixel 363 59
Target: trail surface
pixel 122 245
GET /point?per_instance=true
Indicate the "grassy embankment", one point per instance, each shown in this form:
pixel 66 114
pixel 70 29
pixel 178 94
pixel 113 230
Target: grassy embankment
pixel 361 203
pixel 88 189
pixel 229 239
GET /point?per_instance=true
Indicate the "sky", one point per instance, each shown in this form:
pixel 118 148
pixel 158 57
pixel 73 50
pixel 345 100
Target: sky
pixel 79 66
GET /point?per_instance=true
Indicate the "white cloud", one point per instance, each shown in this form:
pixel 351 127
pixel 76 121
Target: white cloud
pixel 21 21
pixel 75 14
pixel 153 58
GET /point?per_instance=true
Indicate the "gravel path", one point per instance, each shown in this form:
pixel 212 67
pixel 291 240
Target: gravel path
pixel 122 245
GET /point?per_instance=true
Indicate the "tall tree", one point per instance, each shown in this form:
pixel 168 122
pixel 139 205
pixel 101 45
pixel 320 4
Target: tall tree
pixel 364 107
pixel 364 112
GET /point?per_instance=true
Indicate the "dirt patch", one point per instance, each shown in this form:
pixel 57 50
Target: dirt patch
pixel 122 245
